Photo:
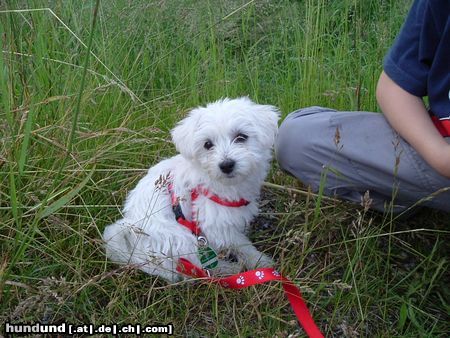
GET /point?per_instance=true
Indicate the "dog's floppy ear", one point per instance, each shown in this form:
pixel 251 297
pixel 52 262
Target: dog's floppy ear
pixel 266 117
pixel 183 134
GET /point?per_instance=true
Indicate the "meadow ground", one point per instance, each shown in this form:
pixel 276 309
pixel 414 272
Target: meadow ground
pixel 77 133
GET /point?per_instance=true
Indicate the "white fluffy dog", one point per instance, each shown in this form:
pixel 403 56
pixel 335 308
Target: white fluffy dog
pixel 225 151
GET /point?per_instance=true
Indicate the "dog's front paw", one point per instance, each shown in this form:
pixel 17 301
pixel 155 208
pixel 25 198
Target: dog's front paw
pixel 265 262
pixel 259 261
pixel 226 268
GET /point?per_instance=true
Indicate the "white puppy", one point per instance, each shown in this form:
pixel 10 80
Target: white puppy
pixel 225 151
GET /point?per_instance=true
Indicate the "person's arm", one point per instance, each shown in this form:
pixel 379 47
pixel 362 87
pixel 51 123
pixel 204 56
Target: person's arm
pixel 408 116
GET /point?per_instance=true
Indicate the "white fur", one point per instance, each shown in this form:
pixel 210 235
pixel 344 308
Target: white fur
pixel 148 234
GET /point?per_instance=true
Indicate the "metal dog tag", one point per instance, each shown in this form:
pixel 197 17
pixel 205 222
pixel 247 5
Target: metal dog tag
pixel 208 257
pixel 206 254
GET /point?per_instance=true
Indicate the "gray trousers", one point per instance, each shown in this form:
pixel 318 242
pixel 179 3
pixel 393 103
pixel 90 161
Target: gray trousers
pixel 350 153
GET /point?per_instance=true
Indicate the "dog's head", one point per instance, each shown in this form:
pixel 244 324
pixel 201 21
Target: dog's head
pixel 229 139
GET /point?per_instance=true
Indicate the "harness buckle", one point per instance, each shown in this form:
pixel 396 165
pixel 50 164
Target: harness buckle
pixel 177 211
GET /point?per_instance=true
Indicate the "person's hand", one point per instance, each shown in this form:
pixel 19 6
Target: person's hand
pixel 408 116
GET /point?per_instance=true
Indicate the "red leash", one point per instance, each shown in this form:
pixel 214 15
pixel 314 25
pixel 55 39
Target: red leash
pixel 254 277
pixel 244 279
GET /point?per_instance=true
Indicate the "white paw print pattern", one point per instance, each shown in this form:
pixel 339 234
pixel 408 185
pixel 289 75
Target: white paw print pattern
pixel 240 280
pixel 276 273
pixel 259 274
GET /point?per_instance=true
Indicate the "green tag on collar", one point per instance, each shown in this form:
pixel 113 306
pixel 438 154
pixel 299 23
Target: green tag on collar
pixel 208 257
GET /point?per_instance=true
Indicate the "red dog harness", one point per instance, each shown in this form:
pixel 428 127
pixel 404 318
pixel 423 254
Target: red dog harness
pixel 195 193
pixel 244 279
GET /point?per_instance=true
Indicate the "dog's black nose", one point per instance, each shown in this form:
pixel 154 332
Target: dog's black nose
pixel 227 166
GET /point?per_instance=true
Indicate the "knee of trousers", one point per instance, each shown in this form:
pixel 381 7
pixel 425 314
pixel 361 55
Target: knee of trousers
pixel 296 139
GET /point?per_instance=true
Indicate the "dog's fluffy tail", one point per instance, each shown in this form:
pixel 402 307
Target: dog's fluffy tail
pixel 126 243
pixel 120 240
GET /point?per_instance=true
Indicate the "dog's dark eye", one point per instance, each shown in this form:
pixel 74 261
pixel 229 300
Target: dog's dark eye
pixel 240 138
pixel 208 145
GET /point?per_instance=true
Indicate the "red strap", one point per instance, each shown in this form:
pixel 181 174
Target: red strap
pixel 233 204
pixel 443 126
pixel 259 276
pixel 187 268
pixel 227 203
pixel 173 197
pixel 191 225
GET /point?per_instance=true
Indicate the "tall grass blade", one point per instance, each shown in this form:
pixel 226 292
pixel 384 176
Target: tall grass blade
pixel 65 199
pixel 25 141
pixel 4 90
pixel 5 95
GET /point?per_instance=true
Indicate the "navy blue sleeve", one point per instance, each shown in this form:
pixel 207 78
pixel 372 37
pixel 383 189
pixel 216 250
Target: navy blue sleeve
pixel 410 57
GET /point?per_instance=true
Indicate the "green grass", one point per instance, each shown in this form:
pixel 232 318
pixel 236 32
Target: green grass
pixel 70 149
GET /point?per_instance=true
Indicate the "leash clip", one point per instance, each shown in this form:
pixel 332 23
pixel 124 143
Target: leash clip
pixel 202 241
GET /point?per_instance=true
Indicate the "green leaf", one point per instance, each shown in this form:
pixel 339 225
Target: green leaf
pixel 63 200
pixel 403 316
